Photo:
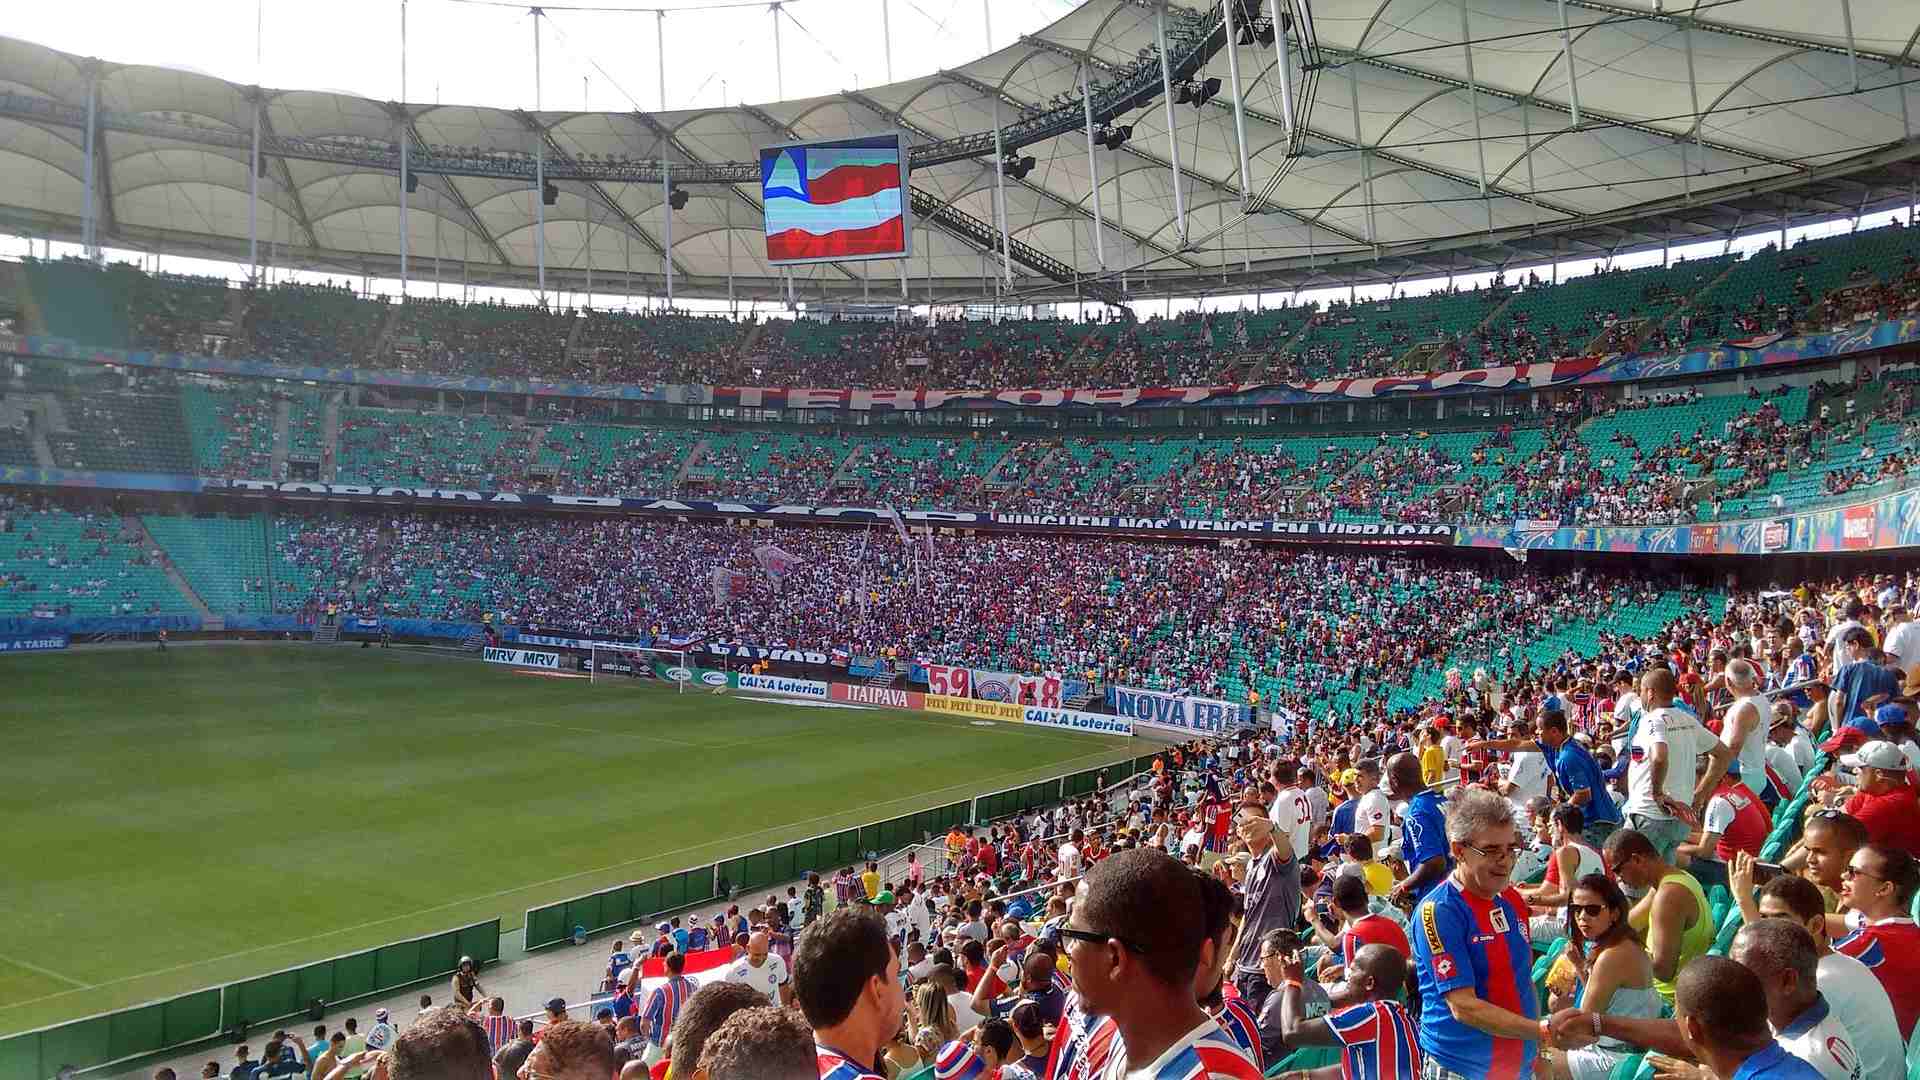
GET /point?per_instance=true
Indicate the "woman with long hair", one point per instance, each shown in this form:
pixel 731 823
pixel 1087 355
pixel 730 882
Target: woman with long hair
pixel 1613 974
pixel 934 1024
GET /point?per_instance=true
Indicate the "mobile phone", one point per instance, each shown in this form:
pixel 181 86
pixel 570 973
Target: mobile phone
pixel 1764 872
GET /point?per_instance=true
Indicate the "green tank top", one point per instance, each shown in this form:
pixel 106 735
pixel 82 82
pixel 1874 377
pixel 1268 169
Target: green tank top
pixel 1695 941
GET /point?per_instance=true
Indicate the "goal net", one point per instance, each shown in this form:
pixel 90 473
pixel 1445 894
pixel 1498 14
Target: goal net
pixel 632 664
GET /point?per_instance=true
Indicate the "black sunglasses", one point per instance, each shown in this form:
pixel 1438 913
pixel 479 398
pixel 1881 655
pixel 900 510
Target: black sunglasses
pixel 1095 937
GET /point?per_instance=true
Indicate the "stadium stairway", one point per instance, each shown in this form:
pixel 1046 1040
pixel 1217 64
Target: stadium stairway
pixel 208 620
pixel 282 414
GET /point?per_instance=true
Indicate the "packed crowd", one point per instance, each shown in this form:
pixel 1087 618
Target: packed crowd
pixel 1691 855
pixel 1301 629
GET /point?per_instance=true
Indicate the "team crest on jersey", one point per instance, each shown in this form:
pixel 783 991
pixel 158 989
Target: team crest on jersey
pixel 1443 966
pixel 1498 916
pixel 1842 1053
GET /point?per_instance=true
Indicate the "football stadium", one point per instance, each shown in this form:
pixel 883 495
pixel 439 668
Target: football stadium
pixel 1063 540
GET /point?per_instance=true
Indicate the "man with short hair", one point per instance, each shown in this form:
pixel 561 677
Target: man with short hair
pixel 1479 1013
pixel 1672 912
pixel 762 969
pixel 1357 927
pixel 334 1054
pixel 508 1059
pixel 1859 681
pixel 1664 784
pixel 1735 821
pixel 629 1043
pixel 442 1044
pixel 1713 1006
pixel 1581 781
pixel 1783 955
pixel 1271 892
pixel 496 1023
pixel 705 1011
pixel 1856 996
pixel 1743 727
pixel 1291 814
pixel 1884 802
pixel 1377 1039
pixel 1374 814
pixel 846 978
pixel 1137 942
pixel 1423 829
pixel 1878 889
pixel 572 1050
pixel 763 1043
pixel 664 1003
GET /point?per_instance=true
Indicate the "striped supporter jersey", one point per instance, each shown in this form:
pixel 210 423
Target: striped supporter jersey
pixel 1205 1053
pixel 1240 1025
pixel 1463 941
pixel 1378 1041
pixel 1082 1043
pixel 663 1007
pixel 835 1065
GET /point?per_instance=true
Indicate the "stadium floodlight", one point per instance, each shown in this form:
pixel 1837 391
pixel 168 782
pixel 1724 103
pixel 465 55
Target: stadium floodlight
pixel 1016 168
pixel 678 198
pixel 549 195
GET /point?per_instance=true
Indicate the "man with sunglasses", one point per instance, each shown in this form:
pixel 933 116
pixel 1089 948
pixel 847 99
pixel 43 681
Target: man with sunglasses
pixel 1877 890
pixel 1137 941
pixel 1480 1017
pixel 1672 910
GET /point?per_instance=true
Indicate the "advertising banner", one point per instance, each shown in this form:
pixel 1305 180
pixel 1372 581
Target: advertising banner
pixel 774 684
pixel 948 680
pixel 522 658
pixel 1176 712
pixel 974 707
pixel 886 697
pixel 36 643
pixel 1072 720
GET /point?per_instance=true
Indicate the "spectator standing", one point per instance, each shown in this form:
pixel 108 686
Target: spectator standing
pixel 761 969
pixel 1661 778
pixel 1423 830
pixel 1479 1013
pixel 663 1007
pixel 1574 770
pixel 1271 894
pixel 1137 940
pixel 847 982
pixel 508 1059
pixel 500 1027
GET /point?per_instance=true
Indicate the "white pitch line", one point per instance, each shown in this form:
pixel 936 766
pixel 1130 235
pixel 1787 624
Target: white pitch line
pixel 48 972
pixel 505 892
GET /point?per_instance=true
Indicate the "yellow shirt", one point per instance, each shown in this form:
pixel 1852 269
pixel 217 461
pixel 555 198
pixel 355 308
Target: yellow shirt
pixel 1379 878
pixel 871 882
pixel 1433 764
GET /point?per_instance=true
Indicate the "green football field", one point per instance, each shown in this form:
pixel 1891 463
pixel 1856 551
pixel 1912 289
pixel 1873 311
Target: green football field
pixel 174 821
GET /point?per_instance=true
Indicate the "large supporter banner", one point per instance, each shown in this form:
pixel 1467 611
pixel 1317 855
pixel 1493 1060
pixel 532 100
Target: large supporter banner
pixel 1073 720
pixel 522 658
pixel 40 643
pixel 1042 690
pixel 1176 712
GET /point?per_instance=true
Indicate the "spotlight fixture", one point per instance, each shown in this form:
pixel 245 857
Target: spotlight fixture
pixel 549 195
pixel 1015 167
pixel 1196 93
pixel 1113 136
pixel 677 198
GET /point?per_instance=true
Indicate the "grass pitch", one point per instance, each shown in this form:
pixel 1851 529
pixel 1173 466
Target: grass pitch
pixel 177 820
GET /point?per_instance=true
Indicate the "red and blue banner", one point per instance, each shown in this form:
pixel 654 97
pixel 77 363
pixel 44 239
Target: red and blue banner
pixel 836 200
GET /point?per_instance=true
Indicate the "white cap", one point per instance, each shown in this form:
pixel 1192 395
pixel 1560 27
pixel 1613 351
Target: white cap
pixel 1878 754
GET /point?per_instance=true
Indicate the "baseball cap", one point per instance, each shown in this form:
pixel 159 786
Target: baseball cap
pixel 1845 739
pixel 1877 754
pixel 957 1061
pixel 664 927
pixel 884 896
pixel 1890 713
pixel 380 1016
pixel 558 1005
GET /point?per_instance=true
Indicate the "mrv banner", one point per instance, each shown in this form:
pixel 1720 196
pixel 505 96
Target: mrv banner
pixel 1176 712
pixel 522 658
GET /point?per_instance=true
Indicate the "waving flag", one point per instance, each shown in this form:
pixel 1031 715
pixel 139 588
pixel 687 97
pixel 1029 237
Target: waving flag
pixel 834 200
pixel 776 561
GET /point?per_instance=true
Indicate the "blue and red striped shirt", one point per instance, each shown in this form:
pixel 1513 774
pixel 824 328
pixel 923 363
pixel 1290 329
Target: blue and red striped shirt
pixel 1377 1041
pixel 835 1065
pixel 1206 1053
pixel 663 1007
pixel 1461 940
pixel 1081 1044
pixel 1243 1028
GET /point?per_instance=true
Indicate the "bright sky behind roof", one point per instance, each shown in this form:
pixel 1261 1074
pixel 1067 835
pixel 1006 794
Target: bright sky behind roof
pixel 470 53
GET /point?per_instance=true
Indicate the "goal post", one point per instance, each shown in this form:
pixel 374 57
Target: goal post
pixel 635 663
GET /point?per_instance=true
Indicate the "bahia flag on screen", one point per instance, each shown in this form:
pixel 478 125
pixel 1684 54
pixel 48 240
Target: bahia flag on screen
pixel 839 200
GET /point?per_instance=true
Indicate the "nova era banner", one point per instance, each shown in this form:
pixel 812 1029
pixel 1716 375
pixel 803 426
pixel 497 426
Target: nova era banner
pixel 1176 712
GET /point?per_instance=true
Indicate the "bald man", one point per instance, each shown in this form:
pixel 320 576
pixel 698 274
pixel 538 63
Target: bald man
pixel 762 970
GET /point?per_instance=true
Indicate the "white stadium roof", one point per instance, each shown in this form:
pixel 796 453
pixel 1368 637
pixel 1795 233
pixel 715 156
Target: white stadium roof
pixel 1414 155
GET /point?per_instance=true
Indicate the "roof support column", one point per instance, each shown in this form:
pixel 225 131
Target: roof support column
pixel 666 182
pixel 539 172
pixel 1473 96
pixel 253 197
pixel 1853 59
pixel 1699 122
pixel 1280 48
pixel 1000 197
pixel 89 217
pixel 1566 57
pixel 1173 142
pixel 1093 165
pixel 1366 159
pixel 403 148
pixel 1239 106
